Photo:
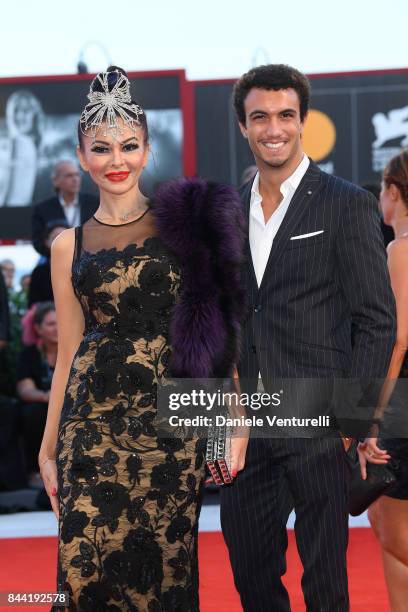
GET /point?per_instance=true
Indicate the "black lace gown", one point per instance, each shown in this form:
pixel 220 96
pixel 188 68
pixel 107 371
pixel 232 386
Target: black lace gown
pixel 129 500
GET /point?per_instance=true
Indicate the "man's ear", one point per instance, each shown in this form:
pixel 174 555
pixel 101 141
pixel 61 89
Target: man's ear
pixel 394 192
pixel 243 129
pixel 81 159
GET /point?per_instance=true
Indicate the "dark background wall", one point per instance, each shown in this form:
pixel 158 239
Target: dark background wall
pixel 368 114
pixel 350 101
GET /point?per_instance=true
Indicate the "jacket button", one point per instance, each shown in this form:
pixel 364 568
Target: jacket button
pixel 258 308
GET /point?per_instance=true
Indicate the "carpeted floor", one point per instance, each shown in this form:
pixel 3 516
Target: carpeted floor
pixel 28 564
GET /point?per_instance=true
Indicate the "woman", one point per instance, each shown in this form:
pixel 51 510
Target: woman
pixel 128 501
pixel 389 514
pixel 34 375
pixel 24 118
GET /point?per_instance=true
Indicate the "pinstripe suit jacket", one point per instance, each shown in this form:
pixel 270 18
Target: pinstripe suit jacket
pixel 325 307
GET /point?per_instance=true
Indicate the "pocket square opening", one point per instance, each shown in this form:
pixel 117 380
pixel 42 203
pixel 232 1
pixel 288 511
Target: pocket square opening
pixel 307 235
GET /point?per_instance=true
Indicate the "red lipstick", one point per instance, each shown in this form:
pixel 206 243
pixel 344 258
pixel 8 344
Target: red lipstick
pixel 117 177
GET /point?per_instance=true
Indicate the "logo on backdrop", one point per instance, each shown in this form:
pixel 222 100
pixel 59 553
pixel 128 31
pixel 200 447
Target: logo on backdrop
pixel 319 138
pixel 389 126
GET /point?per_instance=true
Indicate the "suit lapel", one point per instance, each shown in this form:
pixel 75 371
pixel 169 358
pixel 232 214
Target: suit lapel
pixel 56 205
pixel 245 193
pixel 304 196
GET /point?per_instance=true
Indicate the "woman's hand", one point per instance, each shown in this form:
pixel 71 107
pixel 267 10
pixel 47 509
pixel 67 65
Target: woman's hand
pixel 239 446
pixel 48 469
pixel 369 451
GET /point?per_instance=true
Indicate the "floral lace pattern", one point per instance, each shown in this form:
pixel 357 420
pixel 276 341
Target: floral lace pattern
pixel 129 500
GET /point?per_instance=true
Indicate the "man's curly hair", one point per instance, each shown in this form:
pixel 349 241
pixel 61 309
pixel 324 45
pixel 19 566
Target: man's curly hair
pixel 271 76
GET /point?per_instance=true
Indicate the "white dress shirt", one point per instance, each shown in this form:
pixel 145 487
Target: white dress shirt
pixel 71 211
pixel 261 234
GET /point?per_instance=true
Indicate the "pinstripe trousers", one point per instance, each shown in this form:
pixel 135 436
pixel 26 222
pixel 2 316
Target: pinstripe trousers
pixel 309 475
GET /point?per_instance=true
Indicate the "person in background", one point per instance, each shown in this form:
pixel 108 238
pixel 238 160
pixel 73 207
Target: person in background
pixel 389 514
pixel 40 289
pixel 9 270
pixel 17 298
pixel 17 308
pixel 21 148
pixel 4 335
pixel 68 204
pixel 387 231
pixel 21 296
pixel 34 375
pixel 12 473
pixel 4 314
pixel 25 282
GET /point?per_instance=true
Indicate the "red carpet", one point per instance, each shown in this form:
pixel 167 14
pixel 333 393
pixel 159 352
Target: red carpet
pixel 28 564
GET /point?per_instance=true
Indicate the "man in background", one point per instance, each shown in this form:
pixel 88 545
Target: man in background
pixel 40 289
pixel 9 270
pixel 69 204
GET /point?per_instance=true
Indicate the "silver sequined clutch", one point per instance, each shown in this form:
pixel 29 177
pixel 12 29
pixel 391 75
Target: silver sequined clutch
pixel 218 453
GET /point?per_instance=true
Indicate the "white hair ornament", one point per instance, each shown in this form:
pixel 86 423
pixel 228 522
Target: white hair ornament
pixel 108 105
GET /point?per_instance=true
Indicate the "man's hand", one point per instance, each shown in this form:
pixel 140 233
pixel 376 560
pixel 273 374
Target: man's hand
pixel 239 446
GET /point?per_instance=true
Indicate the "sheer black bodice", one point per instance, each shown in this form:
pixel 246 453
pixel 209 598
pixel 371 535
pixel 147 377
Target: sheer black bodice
pixel 123 277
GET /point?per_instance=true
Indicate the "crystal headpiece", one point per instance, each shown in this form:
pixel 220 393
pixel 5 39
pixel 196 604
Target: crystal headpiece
pixel 108 105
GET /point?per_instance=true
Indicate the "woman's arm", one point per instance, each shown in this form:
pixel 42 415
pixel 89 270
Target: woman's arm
pixel 70 332
pixel 397 258
pixel 397 265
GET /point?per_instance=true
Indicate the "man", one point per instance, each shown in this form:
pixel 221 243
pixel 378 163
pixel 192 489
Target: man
pixel 68 204
pixel 315 271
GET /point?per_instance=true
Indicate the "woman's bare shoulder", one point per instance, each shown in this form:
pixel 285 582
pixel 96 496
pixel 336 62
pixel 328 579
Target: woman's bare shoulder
pixel 398 248
pixel 62 248
pixel 64 244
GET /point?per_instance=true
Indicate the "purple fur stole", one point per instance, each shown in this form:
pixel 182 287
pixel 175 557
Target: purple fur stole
pixel 202 223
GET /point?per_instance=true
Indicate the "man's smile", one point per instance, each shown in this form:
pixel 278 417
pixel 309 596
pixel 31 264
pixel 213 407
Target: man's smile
pixel 273 146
